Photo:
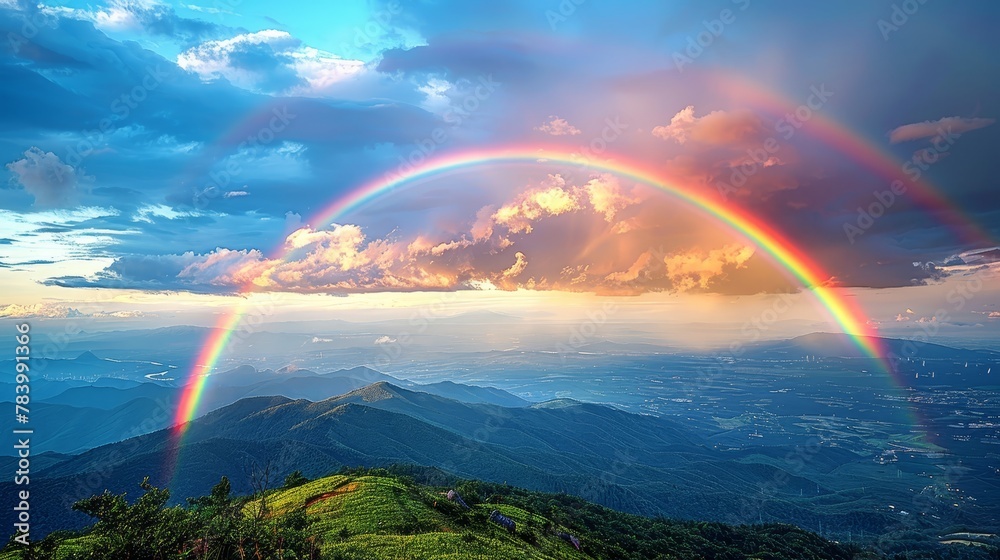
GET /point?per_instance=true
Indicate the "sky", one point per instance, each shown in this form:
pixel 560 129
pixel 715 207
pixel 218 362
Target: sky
pixel 164 161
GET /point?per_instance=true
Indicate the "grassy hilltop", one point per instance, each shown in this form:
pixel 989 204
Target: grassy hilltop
pixel 374 514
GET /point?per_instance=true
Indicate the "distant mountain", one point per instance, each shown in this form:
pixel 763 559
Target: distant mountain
pixel 610 347
pixel 838 345
pixel 42 389
pixel 88 358
pixel 247 375
pixel 135 343
pixel 63 428
pixel 40 461
pixel 84 417
pixel 572 427
pixel 89 367
pixel 106 398
pixel 484 317
pixel 305 384
pixel 471 393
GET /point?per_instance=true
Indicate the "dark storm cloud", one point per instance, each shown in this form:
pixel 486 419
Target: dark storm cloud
pixel 142 99
pixel 584 62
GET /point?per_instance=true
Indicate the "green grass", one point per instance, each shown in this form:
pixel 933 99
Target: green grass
pixel 377 514
pixel 384 517
pixel 67 548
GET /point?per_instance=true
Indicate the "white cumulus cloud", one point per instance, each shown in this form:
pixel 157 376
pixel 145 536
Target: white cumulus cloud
pixel 556 126
pixel 270 61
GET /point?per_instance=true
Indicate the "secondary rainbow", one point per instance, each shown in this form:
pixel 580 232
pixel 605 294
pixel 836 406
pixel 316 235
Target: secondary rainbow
pixel 809 274
pixel 814 122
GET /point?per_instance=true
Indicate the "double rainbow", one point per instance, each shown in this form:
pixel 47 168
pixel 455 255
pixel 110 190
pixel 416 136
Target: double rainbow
pixel 779 248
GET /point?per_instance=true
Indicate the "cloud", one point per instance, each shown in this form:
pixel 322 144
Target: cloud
pixel 602 193
pixel 235 194
pixel 735 154
pixel 78 234
pixel 61 86
pixel 900 318
pixel 715 128
pixel 558 127
pixel 121 314
pixel 150 16
pixel 515 270
pixel 148 213
pixel 224 267
pixel 697 269
pixel 606 195
pixel 941 127
pixel 981 256
pixel 208 10
pixel 45 177
pixel 384 340
pixel 293 221
pixel 552 199
pixel 686 270
pixel 220 271
pixel 554 235
pixel 270 61
pixel 39 310
pixel 994 315
pixel 693 270
pixel 61 311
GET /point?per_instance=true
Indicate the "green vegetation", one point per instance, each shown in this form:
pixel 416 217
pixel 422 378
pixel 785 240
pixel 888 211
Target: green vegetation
pixel 380 513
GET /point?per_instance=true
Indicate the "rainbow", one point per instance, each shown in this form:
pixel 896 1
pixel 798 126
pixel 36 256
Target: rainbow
pixel 847 315
pixel 781 250
pixel 867 153
pixel 210 353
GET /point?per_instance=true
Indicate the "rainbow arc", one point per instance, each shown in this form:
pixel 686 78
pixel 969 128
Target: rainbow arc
pixel 779 249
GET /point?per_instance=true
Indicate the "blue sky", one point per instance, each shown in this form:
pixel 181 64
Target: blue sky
pixel 152 146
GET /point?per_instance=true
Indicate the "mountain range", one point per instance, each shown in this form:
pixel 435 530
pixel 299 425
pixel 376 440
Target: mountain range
pixel 107 433
pixel 633 463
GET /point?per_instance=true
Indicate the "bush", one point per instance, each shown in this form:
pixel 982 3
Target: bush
pixel 294 480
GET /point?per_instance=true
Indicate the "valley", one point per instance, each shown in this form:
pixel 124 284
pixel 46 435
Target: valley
pixel 826 443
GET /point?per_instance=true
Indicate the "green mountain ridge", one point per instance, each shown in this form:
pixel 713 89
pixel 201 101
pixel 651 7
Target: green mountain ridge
pixel 377 514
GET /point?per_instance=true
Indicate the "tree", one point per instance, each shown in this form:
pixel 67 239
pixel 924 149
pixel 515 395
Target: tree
pixel 295 479
pixel 221 524
pixel 144 530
